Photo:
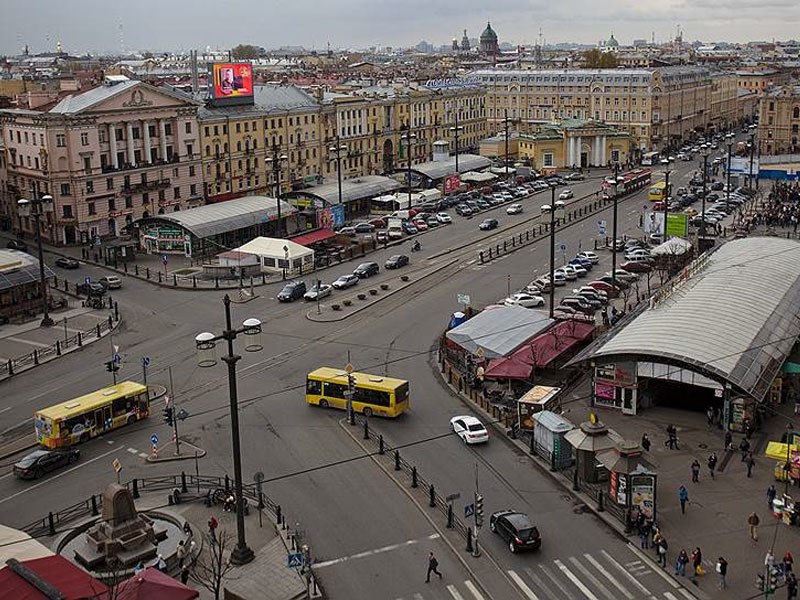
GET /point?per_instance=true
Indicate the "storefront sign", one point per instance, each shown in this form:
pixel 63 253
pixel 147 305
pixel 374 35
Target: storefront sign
pixel 605 394
pixel 643 494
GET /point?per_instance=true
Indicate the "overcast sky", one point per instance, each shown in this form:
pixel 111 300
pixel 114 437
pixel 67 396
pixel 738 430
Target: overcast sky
pixel 164 25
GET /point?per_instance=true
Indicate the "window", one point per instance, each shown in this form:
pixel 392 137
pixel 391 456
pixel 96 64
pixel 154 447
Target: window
pixel 61 140
pixel 66 211
pixel 112 205
pixel 103 161
pixel 547 159
pixel 238 128
pixel 193 189
pixel 65 189
pixel 145 199
pixel 188 127
pixel 151 130
pixel 84 139
pixel 135 131
pixel 118 134
pixel 162 195
pixel 176 192
pixel 110 183
pixel 796 112
pixel 167 128
pixel 87 164
pixel 189 150
pixel 313 387
pixel 206 130
pixel 128 201
pixel 90 187
pixel 91 208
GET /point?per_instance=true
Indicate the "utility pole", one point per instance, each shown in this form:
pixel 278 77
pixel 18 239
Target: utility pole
pixel 478 515
pixel 667 197
pixel 174 414
pixel 351 386
pixel 614 228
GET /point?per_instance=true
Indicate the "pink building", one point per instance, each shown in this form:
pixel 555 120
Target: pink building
pixel 108 155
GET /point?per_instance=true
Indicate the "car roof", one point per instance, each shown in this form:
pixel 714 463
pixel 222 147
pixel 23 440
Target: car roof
pixel 468 419
pixel 518 520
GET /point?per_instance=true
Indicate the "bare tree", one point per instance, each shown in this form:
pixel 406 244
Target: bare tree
pixel 213 563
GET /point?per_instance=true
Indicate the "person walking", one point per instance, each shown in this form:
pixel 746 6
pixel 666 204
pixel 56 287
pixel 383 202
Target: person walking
pixel 791 587
pixel 771 493
pixel 712 464
pixel 722 572
pixel 728 440
pixel 433 567
pixel 181 552
pixel 697 563
pixel 750 463
pixel 788 562
pixel 644 534
pixel 695 471
pixel 744 448
pixel 752 523
pixel 185 574
pixel 212 528
pixel 710 417
pixel 645 442
pixel 662 552
pixel 681 562
pixel 683 496
pixel 672 438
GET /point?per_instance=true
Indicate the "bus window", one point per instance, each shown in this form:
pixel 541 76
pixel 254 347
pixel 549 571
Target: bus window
pixel 313 387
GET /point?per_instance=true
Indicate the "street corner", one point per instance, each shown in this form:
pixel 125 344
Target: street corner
pixel 167 452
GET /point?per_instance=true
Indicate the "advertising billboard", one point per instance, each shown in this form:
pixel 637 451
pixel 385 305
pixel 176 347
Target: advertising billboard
pixel 232 83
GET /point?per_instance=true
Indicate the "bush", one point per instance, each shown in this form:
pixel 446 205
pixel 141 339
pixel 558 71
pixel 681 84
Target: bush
pixel 362 296
pixel 347 302
pixel 373 292
pixel 336 307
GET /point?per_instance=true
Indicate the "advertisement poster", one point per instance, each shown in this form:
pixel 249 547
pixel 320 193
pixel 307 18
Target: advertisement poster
pixel 338 215
pixel 677 225
pixel 452 183
pixel 643 494
pixel 232 80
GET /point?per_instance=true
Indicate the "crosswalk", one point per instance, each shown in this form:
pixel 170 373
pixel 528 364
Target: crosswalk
pixel 585 576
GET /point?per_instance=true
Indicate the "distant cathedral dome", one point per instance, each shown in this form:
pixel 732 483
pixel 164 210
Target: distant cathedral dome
pixel 612 42
pixel 489 40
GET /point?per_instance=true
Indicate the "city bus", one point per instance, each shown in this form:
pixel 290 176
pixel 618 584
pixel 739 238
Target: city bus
pixel 650 158
pixel 88 416
pixel 372 394
pixel 657 192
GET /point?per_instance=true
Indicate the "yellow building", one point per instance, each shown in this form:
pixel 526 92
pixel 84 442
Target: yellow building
pixel 779 121
pixel 724 97
pixel 760 79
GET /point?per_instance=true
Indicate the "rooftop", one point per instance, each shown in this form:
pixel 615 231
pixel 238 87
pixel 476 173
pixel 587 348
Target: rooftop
pixel 439 169
pixel 269 99
pixel 366 186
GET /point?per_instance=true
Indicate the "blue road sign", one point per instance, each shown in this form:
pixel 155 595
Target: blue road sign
pixel 164 259
pixel 154 439
pixel 145 361
pixel 469 510
pixel 295 560
pixel 117 357
pixel 87 280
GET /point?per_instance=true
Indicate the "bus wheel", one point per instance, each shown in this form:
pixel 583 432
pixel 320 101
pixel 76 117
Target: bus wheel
pixel 367 412
pixel 131 420
pixel 323 403
pixel 84 437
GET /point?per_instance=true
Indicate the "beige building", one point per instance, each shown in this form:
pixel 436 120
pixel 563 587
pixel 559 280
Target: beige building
pixel 724 96
pixel 107 155
pixel 760 79
pixel 779 121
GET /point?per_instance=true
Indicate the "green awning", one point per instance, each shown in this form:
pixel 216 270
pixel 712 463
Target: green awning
pixel 791 368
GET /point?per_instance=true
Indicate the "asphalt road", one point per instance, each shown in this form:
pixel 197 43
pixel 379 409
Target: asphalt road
pixel 369 536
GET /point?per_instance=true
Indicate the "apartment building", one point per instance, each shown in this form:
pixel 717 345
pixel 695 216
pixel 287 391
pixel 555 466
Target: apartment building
pixel 108 155
pixel 724 99
pixel 779 121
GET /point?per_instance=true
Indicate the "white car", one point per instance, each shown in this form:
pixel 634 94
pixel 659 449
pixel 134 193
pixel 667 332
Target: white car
pixel 318 293
pixel 637 252
pixel 566 195
pixel 559 278
pixel 590 256
pixel 514 209
pixel 568 272
pixel 579 270
pixel 444 218
pixel 469 429
pixel 524 299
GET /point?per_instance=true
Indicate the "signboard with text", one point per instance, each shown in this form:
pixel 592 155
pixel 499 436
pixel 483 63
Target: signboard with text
pixel 451 184
pixel 231 84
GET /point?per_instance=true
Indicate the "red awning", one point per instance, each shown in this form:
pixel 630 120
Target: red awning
pixel 539 351
pixel 72 581
pixel 315 236
pixel 152 584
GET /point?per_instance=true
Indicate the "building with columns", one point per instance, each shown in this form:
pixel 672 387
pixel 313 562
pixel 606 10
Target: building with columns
pixel 108 156
pixel 779 121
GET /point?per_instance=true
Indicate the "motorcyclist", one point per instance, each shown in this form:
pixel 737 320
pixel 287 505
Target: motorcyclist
pixel 415 247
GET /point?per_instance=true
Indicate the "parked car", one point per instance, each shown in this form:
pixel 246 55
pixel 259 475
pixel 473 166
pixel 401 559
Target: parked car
pixel 378 222
pixel 345 281
pixel 620 283
pixel 410 228
pixel 111 282
pixel 516 529
pixel 348 231
pixel 524 299
pixel 396 261
pixel 575 177
pixel 42 461
pixel 420 224
pixel 488 224
pixel 432 221
pixel 634 266
pixel 590 256
pixel 469 429
pixel 17 245
pixel 318 291
pixel 292 291
pixel 514 209
pixel 569 273
pixel 593 302
pixel 67 263
pixel 566 195
pixel 579 269
pixel 444 218
pixel 631 254
pixel 584 263
pixel 604 286
pixel 91 288
pixel 365 228
pixel 464 210
pixel 367 269
pixel 590 292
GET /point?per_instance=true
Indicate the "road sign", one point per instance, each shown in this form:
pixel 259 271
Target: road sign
pixel 601 228
pixel 117 357
pixel 295 560
pixel 145 361
pixel 348 368
pixel 117 465
pixel 87 280
pixel 154 439
pixel 452 497
pixel 164 259
pixel 464 299
pixel 562 247
pixel 469 510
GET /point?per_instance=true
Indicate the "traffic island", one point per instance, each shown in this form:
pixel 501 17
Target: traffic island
pixel 166 452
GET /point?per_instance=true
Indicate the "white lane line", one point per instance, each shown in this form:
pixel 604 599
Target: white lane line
pixel 540 584
pixel 473 590
pixel 595 581
pixel 133 451
pixel 454 592
pixel 522 585
pixel 51 479
pixel 660 572
pixel 142 455
pixel 567 593
pixel 609 576
pixel 670 596
pixel 578 583
pixel 686 594
pixel 7 475
pixel 336 561
pixel 625 573
pixel 6 408
pixel 29 342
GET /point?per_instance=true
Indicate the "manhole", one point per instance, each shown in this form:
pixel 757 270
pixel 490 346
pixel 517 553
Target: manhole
pixel 703 446
pixel 566 497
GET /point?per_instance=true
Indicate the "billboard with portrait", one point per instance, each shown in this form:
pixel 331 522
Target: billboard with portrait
pixel 231 83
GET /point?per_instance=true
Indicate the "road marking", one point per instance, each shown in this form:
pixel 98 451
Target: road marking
pixel 638 567
pixel 142 455
pixel 5 409
pixel 564 590
pixel 33 487
pixel 540 583
pixel 686 594
pixel 9 474
pixel 367 553
pixel 625 573
pixel 133 451
pixel 578 583
pixel 522 585
pixel 474 590
pixel 109 442
pixel 670 596
pixel 660 572
pixel 609 576
pixel 586 573
pixel 454 592
pixel 29 342
pixel 419 597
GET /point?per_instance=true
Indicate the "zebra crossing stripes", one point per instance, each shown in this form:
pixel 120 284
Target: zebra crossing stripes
pixel 454 592
pixel 608 576
pixel 594 580
pixel 574 579
pixel 473 589
pixel 628 575
pixel 522 585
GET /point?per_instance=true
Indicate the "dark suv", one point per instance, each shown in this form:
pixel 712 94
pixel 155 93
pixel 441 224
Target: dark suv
pixel 516 529
pixel 91 288
pixel 294 290
pixel 367 269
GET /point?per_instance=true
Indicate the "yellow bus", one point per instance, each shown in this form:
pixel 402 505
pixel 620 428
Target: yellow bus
pixel 88 416
pixel 657 192
pixel 372 394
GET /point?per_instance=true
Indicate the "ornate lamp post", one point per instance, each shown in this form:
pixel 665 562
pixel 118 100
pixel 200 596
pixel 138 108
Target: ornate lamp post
pixel 276 161
pixel 338 149
pixel 38 208
pixel 554 207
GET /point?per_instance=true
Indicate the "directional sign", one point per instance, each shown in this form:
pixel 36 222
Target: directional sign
pixel 117 465
pixel 117 358
pixel 145 361
pixel 469 510
pixel 464 299
pixel 87 280
pixel 348 368
pixel 295 560
pixel 164 259
pixel 154 439
pixel 601 228
pixel 562 247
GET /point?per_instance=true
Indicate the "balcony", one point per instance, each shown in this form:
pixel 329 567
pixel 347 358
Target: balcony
pixel 146 186
pixel 129 167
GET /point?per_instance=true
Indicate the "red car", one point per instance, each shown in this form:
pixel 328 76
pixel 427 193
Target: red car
pixel 636 267
pixel 421 225
pixel 610 290
pixel 378 223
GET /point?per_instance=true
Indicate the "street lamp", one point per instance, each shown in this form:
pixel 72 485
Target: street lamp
pixel 338 149
pixel 614 229
pixel 276 161
pixel 752 145
pixel 205 342
pixel 38 208
pixel 728 177
pixel 410 139
pixel 705 152
pixel 552 208
pixel 455 131
pixel 667 196
pixel 506 123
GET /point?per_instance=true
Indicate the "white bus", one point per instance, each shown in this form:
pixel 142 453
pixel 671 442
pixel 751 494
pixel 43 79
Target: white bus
pixel 650 158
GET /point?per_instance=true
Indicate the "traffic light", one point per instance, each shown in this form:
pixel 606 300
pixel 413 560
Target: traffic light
pixel 478 510
pixel 772 584
pixel 112 367
pixel 168 415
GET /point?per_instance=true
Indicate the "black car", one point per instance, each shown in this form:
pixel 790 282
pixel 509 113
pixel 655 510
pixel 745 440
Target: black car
pixel 91 288
pixel 367 269
pixel 42 461
pixel 294 290
pixel 516 529
pixel 396 261
pixel 488 224
pixel 17 245
pixel 67 263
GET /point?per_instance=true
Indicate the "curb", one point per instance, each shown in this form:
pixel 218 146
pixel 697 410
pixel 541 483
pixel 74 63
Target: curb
pixel 199 453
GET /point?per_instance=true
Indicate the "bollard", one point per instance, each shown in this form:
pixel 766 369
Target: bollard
pixel 51 523
pixel 98 330
pixel 110 321
pixel 595 244
pixel 414 477
pixel 125 267
pixel 513 242
pixel 184 489
pixel 469 540
pixel 532 446
pixel 135 488
pixel 575 486
pixel 381 449
pixel 432 492
pixel 94 506
pixel 58 348
pixel 497 249
pixel 194 281
pixel 174 280
pixel 396 460
pixel 159 277
pixel 66 286
pixel 35 357
pixel 600 507
pixel 552 461
pixel 481 256
pixel 136 270
pixel 278 515
pixel 216 282
pixel 527 235
pixel 504 246
pixel 11 366
pixel 227 485
pixel 80 339
pixel 366 429
pixel 147 272
pixel 263 278
pixel 449 516
pixel 116 310
pixel 490 254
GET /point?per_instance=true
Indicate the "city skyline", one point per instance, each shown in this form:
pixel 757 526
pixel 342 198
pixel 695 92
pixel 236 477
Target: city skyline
pixel 356 24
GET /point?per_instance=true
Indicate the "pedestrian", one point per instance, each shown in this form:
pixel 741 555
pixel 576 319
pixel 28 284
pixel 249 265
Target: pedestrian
pixel 187 529
pixel 769 560
pixel 788 562
pixel 771 493
pixel 138 568
pixel 645 442
pixel 433 565
pixel 752 523
pixel 710 417
pixel 683 496
pixel 185 574
pixel 728 440
pixel 695 471
pixel 697 563
pixel 662 552
pixel 657 537
pixel 681 562
pixel 722 572
pixel 161 564
pixel 791 587
pixel 644 534
pixel 180 553
pixel 712 464
pixel 672 438
pixel 744 448
pixel 750 462
pixel 212 528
